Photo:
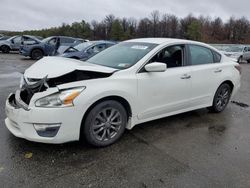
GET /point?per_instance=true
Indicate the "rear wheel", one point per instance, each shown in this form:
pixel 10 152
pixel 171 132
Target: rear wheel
pixel 36 54
pixel 248 61
pixel 5 49
pixel 221 98
pixel 105 123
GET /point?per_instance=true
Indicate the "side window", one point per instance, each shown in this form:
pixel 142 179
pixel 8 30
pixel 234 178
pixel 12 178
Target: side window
pixel 200 55
pixel 28 41
pixel 52 41
pixel 65 40
pixel 217 57
pixel 172 56
pixel 17 40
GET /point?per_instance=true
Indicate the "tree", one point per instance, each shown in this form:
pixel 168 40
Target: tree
pixel 194 30
pixel 155 16
pixel 235 30
pixel 117 32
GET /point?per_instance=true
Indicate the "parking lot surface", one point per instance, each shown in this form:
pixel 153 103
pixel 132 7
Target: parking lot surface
pixel 194 149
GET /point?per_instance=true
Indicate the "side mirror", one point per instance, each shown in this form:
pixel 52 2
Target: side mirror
pixel 156 67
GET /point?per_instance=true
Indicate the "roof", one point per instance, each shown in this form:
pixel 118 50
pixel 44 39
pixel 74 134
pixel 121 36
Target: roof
pixel 102 41
pixel 170 40
pixel 162 40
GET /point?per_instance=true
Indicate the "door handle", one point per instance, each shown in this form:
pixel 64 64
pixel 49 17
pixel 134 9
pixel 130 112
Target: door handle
pixel 185 76
pixel 218 70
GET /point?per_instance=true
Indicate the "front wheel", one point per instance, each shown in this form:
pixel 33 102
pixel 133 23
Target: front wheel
pixel 36 54
pixel 105 123
pixel 221 98
pixel 5 49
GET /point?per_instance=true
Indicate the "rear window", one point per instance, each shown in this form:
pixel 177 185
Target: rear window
pixel 217 57
pixel 200 55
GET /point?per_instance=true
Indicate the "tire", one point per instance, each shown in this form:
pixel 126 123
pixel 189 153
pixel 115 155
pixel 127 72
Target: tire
pixel 221 98
pixel 36 54
pixel 248 61
pixel 105 123
pixel 240 59
pixel 5 49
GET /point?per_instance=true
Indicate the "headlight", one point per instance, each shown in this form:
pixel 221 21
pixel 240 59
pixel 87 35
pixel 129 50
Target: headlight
pixel 61 99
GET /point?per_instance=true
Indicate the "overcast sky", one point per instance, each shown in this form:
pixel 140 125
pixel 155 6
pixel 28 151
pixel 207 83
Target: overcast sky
pixel 36 14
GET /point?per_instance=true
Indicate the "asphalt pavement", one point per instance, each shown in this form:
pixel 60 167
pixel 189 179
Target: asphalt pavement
pixel 194 149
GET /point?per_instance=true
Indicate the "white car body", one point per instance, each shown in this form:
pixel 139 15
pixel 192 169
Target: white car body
pixel 150 95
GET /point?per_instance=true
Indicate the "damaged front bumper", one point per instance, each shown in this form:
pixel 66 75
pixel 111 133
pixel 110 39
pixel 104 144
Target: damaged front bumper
pixel 46 125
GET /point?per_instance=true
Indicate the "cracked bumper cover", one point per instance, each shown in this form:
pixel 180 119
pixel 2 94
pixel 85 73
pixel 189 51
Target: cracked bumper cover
pixel 20 121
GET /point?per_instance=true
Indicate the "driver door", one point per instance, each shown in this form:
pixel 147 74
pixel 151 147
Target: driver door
pixel 165 93
pixel 50 46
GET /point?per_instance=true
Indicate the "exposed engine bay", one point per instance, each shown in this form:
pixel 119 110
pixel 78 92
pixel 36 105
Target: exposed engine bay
pixel 30 86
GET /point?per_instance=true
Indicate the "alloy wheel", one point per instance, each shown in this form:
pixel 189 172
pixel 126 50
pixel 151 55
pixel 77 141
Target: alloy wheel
pixel 222 98
pixel 107 124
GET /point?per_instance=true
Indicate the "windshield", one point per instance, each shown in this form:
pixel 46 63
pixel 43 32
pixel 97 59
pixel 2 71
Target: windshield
pixel 234 49
pixel 46 39
pixel 83 46
pixel 123 55
pixel 9 39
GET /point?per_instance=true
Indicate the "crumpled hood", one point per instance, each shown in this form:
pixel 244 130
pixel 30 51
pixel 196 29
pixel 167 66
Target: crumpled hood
pixel 53 67
pixel 72 54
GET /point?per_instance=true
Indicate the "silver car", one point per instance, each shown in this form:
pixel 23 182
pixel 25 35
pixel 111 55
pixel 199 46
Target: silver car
pixel 14 43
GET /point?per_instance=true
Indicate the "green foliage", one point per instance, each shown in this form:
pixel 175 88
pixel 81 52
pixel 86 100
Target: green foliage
pixel 117 31
pixel 155 25
pixel 194 31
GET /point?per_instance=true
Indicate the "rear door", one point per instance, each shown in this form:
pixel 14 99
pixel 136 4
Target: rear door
pixel 206 73
pixel 16 43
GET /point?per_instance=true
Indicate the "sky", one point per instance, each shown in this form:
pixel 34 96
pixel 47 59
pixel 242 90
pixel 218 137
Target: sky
pixel 19 15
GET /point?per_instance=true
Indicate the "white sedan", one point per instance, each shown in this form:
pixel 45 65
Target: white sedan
pixel 62 100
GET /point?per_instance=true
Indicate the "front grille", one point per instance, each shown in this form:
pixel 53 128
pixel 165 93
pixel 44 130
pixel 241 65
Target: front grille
pixel 28 90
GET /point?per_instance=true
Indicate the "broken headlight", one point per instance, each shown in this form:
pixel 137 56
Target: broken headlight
pixel 61 99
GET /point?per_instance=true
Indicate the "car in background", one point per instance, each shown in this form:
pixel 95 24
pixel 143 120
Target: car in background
pixel 246 54
pixel 86 50
pixel 11 44
pixel 238 53
pixel 30 40
pixel 4 38
pixel 15 42
pixel 83 40
pixel 136 81
pixel 48 47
